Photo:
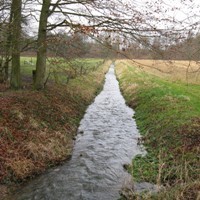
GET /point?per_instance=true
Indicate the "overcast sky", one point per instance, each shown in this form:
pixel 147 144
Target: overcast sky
pixel 185 12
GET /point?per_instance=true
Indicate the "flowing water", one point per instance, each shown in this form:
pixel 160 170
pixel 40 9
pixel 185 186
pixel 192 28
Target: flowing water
pixel 107 140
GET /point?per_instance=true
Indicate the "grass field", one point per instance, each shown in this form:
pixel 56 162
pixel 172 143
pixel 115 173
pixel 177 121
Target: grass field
pixel 168 117
pixel 184 71
pixel 58 69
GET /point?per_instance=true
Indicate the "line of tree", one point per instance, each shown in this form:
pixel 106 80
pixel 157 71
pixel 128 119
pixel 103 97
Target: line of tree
pixel 127 31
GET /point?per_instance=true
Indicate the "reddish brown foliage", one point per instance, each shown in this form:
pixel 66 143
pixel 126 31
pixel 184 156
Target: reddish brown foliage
pixel 30 119
pixel 191 135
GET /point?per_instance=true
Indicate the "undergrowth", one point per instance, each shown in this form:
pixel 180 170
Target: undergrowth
pixel 168 117
pixel 37 128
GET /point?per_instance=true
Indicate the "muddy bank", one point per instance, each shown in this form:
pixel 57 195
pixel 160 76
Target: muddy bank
pixel 38 128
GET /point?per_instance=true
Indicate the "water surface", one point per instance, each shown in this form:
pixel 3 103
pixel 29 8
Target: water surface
pixel 106 141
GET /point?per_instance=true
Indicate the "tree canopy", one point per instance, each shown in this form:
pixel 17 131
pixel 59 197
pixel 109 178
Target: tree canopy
pixel 156 26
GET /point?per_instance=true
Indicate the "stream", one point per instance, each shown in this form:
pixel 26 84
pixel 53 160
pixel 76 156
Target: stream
pixel 107 139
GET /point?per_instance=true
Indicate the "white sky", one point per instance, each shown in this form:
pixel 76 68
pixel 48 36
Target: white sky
pixel 184 12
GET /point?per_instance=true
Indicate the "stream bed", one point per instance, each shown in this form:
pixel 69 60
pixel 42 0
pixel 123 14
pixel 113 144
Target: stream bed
pixel 107 139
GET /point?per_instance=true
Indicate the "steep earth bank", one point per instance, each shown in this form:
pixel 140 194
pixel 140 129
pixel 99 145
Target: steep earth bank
pixel 37 128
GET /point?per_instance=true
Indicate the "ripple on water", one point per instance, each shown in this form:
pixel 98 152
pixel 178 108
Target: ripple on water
pixel 107 140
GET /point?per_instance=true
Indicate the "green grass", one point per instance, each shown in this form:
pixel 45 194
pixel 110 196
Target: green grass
pixel 60 70
pixel 168 117
pixel 27 65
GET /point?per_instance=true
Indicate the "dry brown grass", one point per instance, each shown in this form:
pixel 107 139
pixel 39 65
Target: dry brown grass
pixel 20 168
pixel 37 128
pixel 187 71
pixel 86 93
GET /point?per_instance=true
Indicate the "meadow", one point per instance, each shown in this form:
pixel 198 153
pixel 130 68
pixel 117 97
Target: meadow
pixel 174 70
pixel 59 70
pixel 168 116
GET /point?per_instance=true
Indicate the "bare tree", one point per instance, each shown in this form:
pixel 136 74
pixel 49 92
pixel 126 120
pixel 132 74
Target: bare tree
pixel 42 45
pixel 5 38
pixel 15 81
pixel 85 16
pixel 123 20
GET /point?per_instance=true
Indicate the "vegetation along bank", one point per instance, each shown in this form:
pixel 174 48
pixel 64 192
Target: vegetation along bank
pixel 38 127
pixel 168 117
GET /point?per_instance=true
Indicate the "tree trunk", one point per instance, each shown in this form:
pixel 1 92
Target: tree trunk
pixel 15 81
pixel 1 71
pixel 6 68
pixel 8 48
pixel 42 46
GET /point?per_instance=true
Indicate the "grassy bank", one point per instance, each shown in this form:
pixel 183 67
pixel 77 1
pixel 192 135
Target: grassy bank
pixel 37 128
pixel 168 117
pixel 59 70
